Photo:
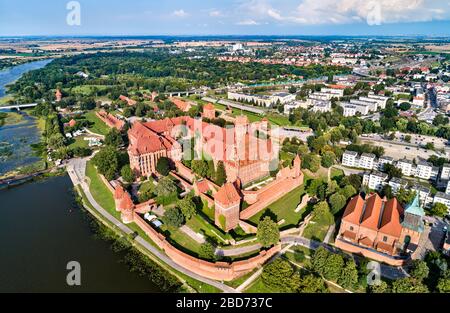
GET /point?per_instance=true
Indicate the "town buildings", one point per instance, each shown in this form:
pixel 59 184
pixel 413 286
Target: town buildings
pixel 263 100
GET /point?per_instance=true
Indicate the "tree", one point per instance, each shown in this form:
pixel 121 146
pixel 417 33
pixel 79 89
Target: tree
pixel 127 174
pixel 114 138
pixel 319 260
pixel 311 162
pixel 207 251
pixel 165 187
pixel 328 159
pixel 311 284
pixel 392 171
pixel 387 192
pixel 163 166
pixel 211 170
pixel 107 162
pixel 353 179
pixel 348 191
pixel 382 287
pixel 268 233
pixel 408 285
pixel 349 275
pixel 405 106
pixel 200 167
pixel 173 217
pixel 333 267
pixel 277 275
pixel 408 138
pixel 337 202
pixel 439 209
pixel 187 207
pixel 419 270
pixel 443 285
pixel 221 175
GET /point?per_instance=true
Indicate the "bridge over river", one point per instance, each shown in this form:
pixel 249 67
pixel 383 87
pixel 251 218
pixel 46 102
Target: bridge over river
pixel 18 107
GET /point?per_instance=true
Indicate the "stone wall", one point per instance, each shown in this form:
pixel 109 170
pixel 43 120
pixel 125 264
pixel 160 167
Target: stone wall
pixel 218 270
pixel 185 171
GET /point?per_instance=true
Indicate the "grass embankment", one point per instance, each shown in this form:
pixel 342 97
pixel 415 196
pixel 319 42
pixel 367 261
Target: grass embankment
pixel 98 126
pixel 10 118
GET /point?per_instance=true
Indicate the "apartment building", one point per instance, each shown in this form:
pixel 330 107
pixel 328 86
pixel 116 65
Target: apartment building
pixel 370 105
pixel 350 159
pixel 426 171
pixel 349 110
pixel 443 198
pixel 321 106
pixel 384 160
pixel 424 194
pixel 367 161
pixel 375 180
pixel 445 172
pixel 447 191
pixel 406 166
pixel 397 184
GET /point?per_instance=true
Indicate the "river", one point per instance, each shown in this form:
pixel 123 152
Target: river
pixel 41 230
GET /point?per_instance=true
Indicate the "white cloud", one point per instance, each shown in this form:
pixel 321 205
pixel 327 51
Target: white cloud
pixel 248 23
pixel 313 12
pixel 215 13
pixel 180 13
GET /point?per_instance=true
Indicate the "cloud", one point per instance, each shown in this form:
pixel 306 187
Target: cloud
pixel 314 12
pixel 248 23
pixel 179 13
pixel 215 13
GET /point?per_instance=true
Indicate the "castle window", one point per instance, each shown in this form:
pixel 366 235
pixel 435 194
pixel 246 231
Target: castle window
pixel 351 228
pixel 385 238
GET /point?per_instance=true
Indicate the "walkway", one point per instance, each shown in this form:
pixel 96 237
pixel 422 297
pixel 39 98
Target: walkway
pixel 75 169
pixel 238 250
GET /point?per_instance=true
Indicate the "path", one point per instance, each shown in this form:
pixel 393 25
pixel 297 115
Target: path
pixel 329 233
pixel 196 237
pixel 238 251
pixel 75 169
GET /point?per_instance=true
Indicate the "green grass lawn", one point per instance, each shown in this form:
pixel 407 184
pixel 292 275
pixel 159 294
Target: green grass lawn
pixel 182 241
pixel 336 173
pixel 258 287
pixel 79 142
pixel 88 90
pixel 98 126
pixel 284 208
pixel 198 224
pixel 99 191
pixel 317 228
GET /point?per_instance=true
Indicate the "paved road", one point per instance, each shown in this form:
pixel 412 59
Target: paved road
pixel 349 171
pixel 75 168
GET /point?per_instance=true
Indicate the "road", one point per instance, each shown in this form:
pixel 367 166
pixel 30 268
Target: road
pixel 76 170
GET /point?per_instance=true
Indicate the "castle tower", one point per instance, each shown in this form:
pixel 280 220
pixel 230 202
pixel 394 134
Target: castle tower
pixel 209 111
pixel 227 203
pixel 241 126
pixel 297 166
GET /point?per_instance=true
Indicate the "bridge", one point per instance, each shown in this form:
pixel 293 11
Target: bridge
pixel 18 107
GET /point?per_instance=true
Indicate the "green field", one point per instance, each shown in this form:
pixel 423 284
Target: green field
pixel 78 142
pixel 98 126
pixel 317 228
pixel 284 208
pixel 99 191
pixel 88 90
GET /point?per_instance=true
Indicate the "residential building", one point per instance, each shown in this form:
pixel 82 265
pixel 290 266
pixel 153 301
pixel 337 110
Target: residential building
pixel 424 194
pixel 406 166
pixel 375 180
pixel 350 159
pixel 397 184
pixel 384 160
pixel 321 106
pixel 447 191
pixel 425 170
pixel 367 161
pixel 369 106
pixel 445 172
pixel 349 110
pixel 443 198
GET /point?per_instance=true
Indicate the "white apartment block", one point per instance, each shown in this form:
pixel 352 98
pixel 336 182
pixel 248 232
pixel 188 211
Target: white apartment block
pixel 381 100
pixel 371 105
pixel 424 194
pixel 447 191
pixel 426 171
pixel 443 198
pixel 384 160
pixel 367 161
pixel 263 100
pixel 445 172
pixel 288 107
pixel 335 92
pixel 397 184
pixel 349 110
pixel 375 180
pixel 363 109
pixel 321 106
pixel 406 166
pixel 350 159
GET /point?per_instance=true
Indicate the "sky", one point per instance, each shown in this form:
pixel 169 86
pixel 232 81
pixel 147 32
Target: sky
pixel 224 17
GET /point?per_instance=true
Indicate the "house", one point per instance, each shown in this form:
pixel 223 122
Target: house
pixel 129 101
pixel 380 229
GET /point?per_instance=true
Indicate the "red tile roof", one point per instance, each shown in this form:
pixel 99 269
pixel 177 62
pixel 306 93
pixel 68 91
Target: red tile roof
pixel 391 219
pixel 227 195
pixel 354 210
pixel 371 214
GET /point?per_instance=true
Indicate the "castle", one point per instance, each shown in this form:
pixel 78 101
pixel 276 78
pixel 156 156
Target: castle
pixel 245 156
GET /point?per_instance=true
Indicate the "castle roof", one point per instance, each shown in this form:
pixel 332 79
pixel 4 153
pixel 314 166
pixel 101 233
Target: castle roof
pixel 227 195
